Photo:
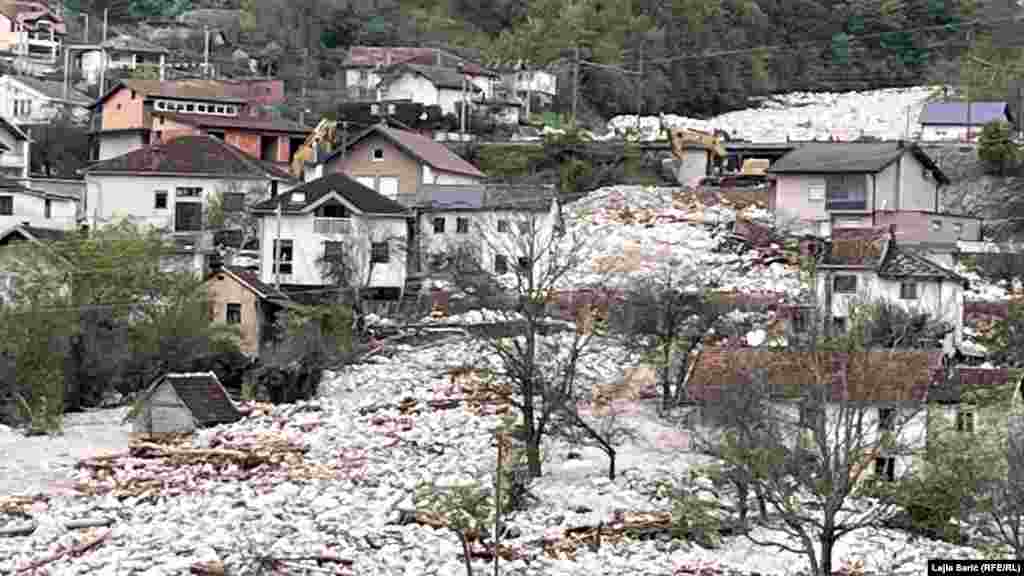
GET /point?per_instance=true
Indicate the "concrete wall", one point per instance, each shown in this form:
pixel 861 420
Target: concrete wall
pixel 930 227
pixel 31 208
pixel 942 300
pixel 308 248
pixel 884 184
pixel 358 163
pixel 114 145
pixel 110 198
pixel 918 188
pixel 223 290
pixel 13 161
pixel 165 413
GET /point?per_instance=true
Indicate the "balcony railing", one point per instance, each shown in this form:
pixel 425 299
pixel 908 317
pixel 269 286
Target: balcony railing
pixel 334 226
pixel 847 204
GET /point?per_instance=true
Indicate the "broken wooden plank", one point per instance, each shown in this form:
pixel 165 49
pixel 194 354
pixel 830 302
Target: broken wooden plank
pixel 23 529
pixel 88 523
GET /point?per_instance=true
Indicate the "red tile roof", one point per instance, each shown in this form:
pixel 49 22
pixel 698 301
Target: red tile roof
pixel 870 376
pixel 252 280
pixel 194 155
pixel 239 122
pixel 372 56
pixel 437 155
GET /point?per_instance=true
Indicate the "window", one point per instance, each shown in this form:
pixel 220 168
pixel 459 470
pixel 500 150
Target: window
pixel 439 225
pixel 334 251
pixel 219 109
pixel 964 421
pixel 886 419
pixel 283 253
pixel 48 209
pixel 523 263
pixel 233 314
pixel 839 323
pixel 22 108
pixel 188 192
pixel 846 192
pixel 936 225
pixel 217 135
pixel 500 264
pixel 190 108
pixel 6 205
pixel 816 192
pixel 844 284
pixel 524 227
pixel 379 253
pixel 885 468
pixel 462 225
pixel 377 154
pixel 268 148
pixel 201 108
pixel 908 290
pixel 503 226
pixel 233 201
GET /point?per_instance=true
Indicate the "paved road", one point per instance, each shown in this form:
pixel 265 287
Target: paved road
pixel 44 463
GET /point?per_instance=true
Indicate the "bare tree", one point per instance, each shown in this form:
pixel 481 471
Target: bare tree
pixel 803 429
pixel 530 257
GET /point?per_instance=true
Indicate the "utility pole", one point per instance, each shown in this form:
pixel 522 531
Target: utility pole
pixel 344 140
pixel 970 35
pixel 305 74
pixel 575 81
pixel 86 39
pixel 639 86
pixel 103 55
pixel 206 51
pixel 67 71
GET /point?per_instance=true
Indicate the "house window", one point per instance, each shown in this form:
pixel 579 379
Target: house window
pixel 964 421
pixel 885 468
pixel 377 155
pixel 268 148
pixel 839 323
pixel 233 314
pixel 846 192
pixel 439 225
pixel 190 108
pixel 886 419
pixel 462 225
pixel 6 205
pixel 334 251
pixel 22 108
pixel 500 264
pixel 188 217
pixel 201 108
pixel 48 209
pixel 219 109
pixel 379 253
pixel 936 225
pixel 816 192
pixel 188 192
pixel 908 290
pixel 283 253
pixel 233 201
pixel 503 226
pixel 845 284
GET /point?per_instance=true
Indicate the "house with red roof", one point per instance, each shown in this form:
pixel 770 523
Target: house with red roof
pixel 135 113
pixel 238 298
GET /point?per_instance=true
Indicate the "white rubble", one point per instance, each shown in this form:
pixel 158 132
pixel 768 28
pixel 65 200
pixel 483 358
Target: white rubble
pixel 376 455
pixel 888 114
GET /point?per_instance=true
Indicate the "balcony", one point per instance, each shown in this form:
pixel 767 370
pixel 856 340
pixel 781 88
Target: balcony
pixel 332 226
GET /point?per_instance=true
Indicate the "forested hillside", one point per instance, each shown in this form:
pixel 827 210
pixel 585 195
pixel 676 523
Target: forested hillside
pixel 694 57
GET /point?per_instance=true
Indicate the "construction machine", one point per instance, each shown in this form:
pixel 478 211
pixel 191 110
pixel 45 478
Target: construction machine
pixel 323 136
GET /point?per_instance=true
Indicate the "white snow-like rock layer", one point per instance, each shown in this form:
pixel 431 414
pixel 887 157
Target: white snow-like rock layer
pixel 355 515
pixel 888 114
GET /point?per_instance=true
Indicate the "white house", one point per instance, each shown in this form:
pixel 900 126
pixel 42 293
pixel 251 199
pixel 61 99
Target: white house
pixel 431 86
pixel 824 185
pixel 30 100
pixel 334 217
pixel 21 205
pixel 955 121
pixel 15 156
pixel 122 52
pixel 170 186
pixel 864 266
pixel 15 235
pixel 866 393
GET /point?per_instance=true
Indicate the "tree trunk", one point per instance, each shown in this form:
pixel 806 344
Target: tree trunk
pixel 827 542
pixel 762 507
pixel 465 552
pixel 742 493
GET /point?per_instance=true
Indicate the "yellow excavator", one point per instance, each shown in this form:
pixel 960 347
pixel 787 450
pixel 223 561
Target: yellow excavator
pixel 323 136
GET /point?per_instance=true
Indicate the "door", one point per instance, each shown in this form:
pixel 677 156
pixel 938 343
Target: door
pixel 188 216
pixel 388 186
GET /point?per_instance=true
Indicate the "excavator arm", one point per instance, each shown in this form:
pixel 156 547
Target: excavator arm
pixel 322 135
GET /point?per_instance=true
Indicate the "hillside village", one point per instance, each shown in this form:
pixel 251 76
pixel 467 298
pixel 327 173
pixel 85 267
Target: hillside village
pixel 445 329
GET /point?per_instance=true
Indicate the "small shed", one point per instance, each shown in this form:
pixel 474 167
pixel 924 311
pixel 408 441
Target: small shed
pixel 182 402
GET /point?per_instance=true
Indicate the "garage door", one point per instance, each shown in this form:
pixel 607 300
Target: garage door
pixel 388 186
